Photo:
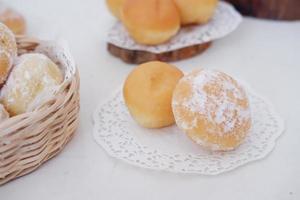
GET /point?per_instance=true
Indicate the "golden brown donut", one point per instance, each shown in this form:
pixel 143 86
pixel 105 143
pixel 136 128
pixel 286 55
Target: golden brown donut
pixel 196 11
pixel 148 93
pixel 150 22
pixel 115 7
pixel 212 108
pixel 14 20
pixel 8 40
pixel 31 80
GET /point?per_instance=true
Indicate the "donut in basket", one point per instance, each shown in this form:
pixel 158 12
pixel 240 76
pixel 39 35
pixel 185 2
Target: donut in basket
pixel 39 103
pixel 12 19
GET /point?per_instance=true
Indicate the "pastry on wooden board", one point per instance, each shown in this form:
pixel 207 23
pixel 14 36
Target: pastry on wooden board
pixel 195 11
pixel 150 22
pixel 115 7
pixel 155 22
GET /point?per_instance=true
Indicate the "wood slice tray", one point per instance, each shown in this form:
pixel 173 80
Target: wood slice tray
pixel 271 9
pixel 138 57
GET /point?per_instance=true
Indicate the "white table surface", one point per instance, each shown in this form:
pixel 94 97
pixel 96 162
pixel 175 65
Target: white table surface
pixel 264 53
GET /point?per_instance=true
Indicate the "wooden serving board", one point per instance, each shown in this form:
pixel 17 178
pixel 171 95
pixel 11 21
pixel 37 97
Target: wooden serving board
pixel 138 57
pixel 272 9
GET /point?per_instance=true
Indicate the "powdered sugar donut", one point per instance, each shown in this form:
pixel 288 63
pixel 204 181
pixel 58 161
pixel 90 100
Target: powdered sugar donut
pixel 212 108
pixel 7 40
pixel 33 77
pixel 8 51
pixel 5 66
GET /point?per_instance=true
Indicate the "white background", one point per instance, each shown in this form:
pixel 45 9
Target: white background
pixel 266 54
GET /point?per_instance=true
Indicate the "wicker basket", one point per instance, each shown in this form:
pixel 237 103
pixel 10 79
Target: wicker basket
pixel 30 139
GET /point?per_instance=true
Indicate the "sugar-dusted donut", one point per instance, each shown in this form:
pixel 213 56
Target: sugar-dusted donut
pixel 212 108
pixel 33 75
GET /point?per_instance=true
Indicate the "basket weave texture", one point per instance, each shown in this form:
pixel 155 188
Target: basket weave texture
pixel 30 139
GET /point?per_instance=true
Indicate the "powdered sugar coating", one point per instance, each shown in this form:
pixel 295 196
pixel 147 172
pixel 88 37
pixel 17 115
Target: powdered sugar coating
pixel 35 77
pixel 8 40
pixel 214 99
pixel 8 51
pixel 6 62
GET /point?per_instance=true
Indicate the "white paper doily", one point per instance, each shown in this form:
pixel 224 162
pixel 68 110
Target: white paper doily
pixel 59 53
pixel 169 149
pixel 225 20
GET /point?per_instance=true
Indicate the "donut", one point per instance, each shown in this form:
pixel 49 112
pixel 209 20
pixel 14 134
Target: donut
pixel 212 109
pixel 5 66
pixel 115 7
pixel 196 11
pixel 8 51
pixel 33 78
pixel 13 20
pixel 150 22
pixel 8 41
pixel 148 93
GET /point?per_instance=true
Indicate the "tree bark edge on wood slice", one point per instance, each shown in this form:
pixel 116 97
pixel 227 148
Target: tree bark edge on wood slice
pixel 138 57
pixel 270 9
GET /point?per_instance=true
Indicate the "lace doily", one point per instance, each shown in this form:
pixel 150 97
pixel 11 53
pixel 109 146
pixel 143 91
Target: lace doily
pixel 225 20
pixel 59 53
pixel 169 149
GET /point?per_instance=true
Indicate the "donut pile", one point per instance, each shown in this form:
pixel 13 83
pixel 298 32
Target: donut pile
pixel 26 81
pixel 208 105
pixel 153 22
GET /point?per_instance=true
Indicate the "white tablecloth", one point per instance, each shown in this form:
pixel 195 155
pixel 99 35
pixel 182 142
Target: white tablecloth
pixel 263 53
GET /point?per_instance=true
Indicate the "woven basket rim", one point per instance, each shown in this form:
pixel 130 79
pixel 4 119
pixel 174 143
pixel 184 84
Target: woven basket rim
pixel 30 115
pixel 30 139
